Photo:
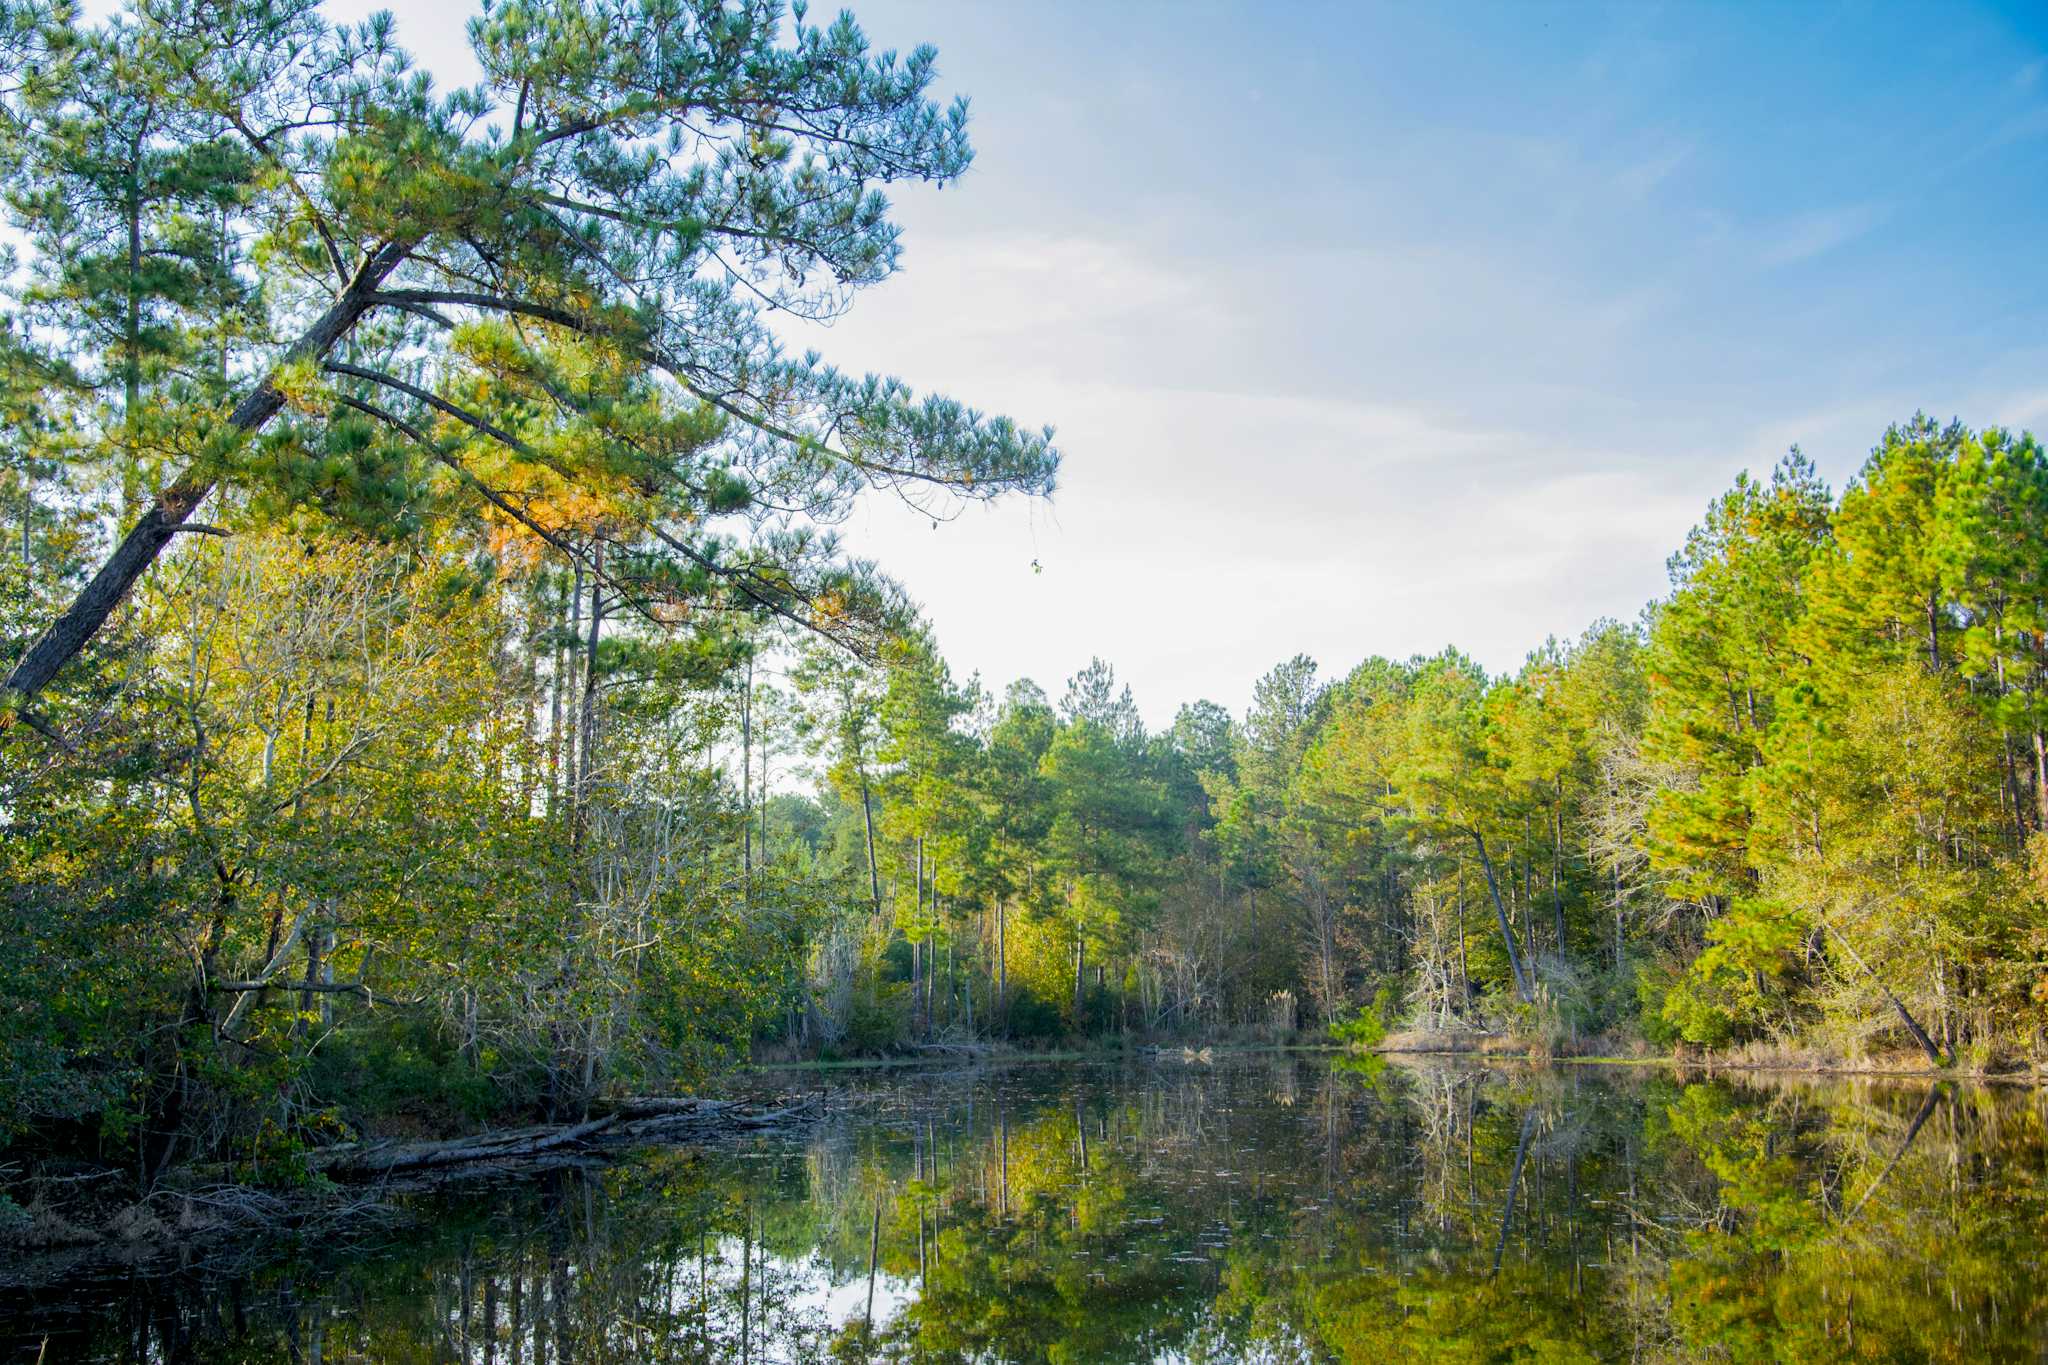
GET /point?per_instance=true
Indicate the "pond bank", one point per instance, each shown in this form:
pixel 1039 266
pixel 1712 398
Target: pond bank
pixel 1756 1058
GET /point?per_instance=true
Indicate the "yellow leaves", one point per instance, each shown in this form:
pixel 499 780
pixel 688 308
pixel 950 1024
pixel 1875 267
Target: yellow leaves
pixel 830 607
pixel 2035 878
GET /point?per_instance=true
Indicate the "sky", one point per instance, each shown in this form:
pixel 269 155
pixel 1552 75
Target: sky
pixel 1369 329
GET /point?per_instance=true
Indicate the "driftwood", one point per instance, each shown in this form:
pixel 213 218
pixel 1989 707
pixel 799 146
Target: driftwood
pixel 626 1122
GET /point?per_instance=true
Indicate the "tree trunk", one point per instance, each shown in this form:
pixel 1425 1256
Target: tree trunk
pixel 1507 930
pixel 555 733
pixel 747 785
pixel 1557 862
pixel 573 666
pixel 2040 781
pixel 587 772
pixel 1464 954
pixel 920 1024
pixel 1326 954
pixel 867 810
pixel 1080 976
pixel 131 360
pixel 88 612
pixel 1618 911
pixel 1919 1034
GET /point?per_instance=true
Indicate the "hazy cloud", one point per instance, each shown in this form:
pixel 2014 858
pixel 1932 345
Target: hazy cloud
pixel 1814 234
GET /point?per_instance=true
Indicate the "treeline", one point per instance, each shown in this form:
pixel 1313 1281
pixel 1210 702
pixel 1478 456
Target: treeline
pixel 1801 802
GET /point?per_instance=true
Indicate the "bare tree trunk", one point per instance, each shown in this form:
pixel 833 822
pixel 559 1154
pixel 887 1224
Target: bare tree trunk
pixel 747 784
pixel 2040 781
pixel 131 359
pixel 761 805
pixel 1557 862
pixel 573 779
pixel 529 691
pixel 1919 1034
pixel 587 728
pixel 1507 930
pixel 1080 976
pixel 1618 914
pixel 867 810
pixel 1464 957
pixel 919 1022
pixel 555 732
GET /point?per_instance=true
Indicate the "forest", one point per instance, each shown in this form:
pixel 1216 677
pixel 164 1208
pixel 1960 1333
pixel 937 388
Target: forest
pixel 516 729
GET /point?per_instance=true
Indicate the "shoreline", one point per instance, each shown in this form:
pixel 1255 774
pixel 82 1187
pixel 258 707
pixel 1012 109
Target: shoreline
pixel 1473 1047
pixel 1710 1064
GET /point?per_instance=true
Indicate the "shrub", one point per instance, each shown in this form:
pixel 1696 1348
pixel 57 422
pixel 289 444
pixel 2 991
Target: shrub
pixel 1361 1032
pixel 1032 1018
pixel 874 1026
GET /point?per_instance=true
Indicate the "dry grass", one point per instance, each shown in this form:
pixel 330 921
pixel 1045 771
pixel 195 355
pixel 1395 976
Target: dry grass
pixel 1431 1040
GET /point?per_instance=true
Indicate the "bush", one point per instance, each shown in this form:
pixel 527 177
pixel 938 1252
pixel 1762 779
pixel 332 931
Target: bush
pixel 1654 983
pixel 409 1071
pixel 1695 1018
pixel 1031 1018
pixel 1361 1032
pixel 874 1026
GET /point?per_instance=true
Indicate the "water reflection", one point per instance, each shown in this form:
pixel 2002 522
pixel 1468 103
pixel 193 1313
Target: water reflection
pixel 1269 1208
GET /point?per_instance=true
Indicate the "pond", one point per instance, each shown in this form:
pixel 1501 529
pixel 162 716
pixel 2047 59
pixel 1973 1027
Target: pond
pixel 1263 1207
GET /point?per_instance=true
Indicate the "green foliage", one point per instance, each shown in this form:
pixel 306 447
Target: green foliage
pixel 1361 1032
pixel 1654 983
pixel 1032 1019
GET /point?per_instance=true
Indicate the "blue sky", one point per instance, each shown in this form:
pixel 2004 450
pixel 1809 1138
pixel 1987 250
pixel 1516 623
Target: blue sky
pixel 1372 329
pixel 1369 329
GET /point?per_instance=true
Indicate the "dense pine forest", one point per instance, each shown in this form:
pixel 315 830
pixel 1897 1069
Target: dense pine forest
pixel 438 691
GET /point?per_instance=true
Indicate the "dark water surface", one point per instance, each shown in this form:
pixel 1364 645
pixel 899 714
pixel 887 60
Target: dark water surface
pixel 1264 1208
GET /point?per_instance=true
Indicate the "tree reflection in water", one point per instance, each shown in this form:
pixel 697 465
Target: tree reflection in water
pixel 1271 1208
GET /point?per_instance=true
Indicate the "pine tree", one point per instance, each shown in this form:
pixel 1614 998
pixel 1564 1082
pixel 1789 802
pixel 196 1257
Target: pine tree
pixel 551 291
pixel 1721 648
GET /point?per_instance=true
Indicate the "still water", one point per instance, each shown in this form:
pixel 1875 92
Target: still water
pixel 1266 1207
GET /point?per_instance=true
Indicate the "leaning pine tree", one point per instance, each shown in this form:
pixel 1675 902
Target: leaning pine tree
pixel 319 282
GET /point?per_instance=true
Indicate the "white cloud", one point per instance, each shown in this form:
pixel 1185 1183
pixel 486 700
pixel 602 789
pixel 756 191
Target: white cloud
pixel 1815 234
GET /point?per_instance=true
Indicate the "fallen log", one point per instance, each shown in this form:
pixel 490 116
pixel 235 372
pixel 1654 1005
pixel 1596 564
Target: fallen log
pixel 626 1122
pixel 390 1159
pixel 652 1106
